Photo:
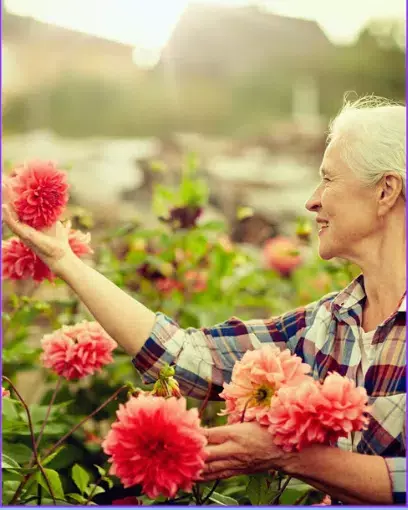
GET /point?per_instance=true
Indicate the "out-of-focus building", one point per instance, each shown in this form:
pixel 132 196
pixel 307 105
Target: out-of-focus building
pixel 36 54
pixel 208 40
pixel 223 42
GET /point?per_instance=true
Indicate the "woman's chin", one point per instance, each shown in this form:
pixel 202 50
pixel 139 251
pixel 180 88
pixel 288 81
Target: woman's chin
pixel 325 253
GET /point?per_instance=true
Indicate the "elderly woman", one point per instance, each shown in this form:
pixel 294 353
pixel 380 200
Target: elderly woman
pixel 358 332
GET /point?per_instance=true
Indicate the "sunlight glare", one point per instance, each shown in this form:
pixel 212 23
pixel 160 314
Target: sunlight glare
pixel 145 25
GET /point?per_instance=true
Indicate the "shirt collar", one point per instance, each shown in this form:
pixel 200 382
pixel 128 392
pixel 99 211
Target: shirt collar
pixel 351 296
pixel 354 294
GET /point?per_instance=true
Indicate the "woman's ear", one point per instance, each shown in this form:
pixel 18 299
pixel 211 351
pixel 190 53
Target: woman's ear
pixel 390 188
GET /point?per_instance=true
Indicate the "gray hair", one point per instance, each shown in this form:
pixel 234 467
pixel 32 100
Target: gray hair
pixel 372 132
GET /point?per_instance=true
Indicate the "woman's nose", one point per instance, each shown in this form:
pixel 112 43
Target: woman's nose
pixel 314 204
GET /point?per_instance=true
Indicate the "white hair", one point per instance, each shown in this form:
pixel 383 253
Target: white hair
pixel 373 135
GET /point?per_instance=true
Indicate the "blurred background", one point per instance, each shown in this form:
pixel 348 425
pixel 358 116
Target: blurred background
pixel 106 88
pixel 120 93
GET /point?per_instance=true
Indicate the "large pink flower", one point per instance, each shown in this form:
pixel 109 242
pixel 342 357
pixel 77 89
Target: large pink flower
pixel 20 262
pixel 317 412
pixel 255 380
pixel 77 351
pixel 282 254
pixel 40 193
pixel 79 243
pixel 158 443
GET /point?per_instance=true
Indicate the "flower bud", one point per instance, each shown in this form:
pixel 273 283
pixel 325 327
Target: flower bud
pixel 166 388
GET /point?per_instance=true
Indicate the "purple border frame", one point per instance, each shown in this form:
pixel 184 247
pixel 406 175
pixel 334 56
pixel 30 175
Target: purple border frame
pixel 1 289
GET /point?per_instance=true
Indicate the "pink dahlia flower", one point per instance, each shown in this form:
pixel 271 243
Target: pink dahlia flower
pixel 317 412
pixel 197 280
pixel 255 380
pixel 40 193
pixel 282 254
pixel 158 443
pixel 4 392
pixel 167 285
pixel 79 243
pixel 20 262
pixel 77 351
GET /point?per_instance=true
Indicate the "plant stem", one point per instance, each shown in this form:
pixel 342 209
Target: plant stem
pixel 58 443
pixel 302 497
pixel 196 493
pixel 205 401
pixel 54 395
pixel 244 410
pixel 76 427
pixel 212 490
pixel 281 491
pixel 35 452
pixel 39 495
pixel 93 491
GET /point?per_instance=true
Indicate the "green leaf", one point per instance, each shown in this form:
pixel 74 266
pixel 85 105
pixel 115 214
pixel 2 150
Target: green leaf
pixel 55 482
pixel 100 469
pixel 38 412
pixel 72 454
pixel 253 490
pixel 220 498
pixel 7 496
pixel 8 408
pixel 50 502
pixel 11 485
pixel 290 496
pixel 94 490
pixel 11 476
pixel 8 463
pixel 108 481
pixel 298 485
pixel 80 477
pixel 48 459
pixel 77 497
pixel 218 226
pixel 258 491
pixel 19 452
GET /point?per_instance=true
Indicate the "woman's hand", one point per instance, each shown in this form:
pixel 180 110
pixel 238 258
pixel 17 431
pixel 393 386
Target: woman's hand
pixel 239 449
pixel 51 246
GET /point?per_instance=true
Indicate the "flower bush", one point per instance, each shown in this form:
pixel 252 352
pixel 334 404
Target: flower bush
pixel 61 436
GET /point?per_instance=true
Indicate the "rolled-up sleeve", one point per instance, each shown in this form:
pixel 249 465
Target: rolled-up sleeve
pixel 397 467
pixel 204 358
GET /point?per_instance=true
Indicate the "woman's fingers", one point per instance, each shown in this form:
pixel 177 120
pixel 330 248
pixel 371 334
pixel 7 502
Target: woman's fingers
pixel 217 435
pixel 219 469
pixel 20 229
pixel 38 241
pixel 221 451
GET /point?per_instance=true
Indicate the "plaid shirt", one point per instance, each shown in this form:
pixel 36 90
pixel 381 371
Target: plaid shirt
pixel 325 335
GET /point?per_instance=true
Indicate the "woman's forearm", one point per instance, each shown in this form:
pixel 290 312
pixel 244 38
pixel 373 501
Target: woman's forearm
pixel 126 320
pixel 351 477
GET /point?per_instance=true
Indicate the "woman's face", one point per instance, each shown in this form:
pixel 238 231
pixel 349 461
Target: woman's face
pixel 346 210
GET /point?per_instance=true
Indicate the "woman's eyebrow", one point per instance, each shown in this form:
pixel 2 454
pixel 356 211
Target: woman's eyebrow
pixel 322 172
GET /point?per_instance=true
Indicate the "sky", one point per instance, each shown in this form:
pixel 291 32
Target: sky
pixel 147 24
